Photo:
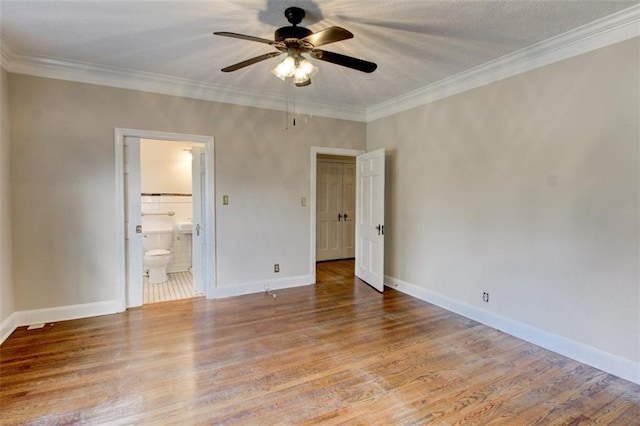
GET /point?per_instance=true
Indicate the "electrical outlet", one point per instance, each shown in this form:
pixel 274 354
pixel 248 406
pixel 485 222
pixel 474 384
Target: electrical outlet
pixel 485 297
pixel 276 267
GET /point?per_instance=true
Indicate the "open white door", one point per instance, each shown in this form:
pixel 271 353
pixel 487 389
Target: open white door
pixel 370 218
pixel 133 222
pixel 198 240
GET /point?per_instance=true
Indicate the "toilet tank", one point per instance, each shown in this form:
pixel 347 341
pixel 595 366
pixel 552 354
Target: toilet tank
pixel 157 239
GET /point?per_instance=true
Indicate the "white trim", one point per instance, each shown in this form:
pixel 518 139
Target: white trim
pixel 210 247
pixel 120 262
pixel 166 85
pixel 210 250
pixel 589 355
pixel 8 326
pixel 315 150
pixel 603 32
pixel 606 31
pixel 263 285
pixel 5 55
pixel 60 313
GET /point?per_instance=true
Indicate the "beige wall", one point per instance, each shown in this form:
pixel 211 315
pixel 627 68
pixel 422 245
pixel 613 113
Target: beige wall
pixel 63 184
pixel 6 279
pixel 529 189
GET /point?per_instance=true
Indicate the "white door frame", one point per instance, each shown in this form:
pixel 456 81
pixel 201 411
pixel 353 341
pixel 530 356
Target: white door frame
pixel 209 254
pixel 315 150
pixel 198 189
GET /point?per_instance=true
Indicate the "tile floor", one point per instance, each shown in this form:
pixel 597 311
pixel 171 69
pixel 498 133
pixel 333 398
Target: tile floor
pixel 179 286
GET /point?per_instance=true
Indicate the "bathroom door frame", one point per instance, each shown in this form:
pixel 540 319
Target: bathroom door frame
pixel 209 250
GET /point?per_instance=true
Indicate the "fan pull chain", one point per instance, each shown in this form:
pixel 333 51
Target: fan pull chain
pixel 290 95
pixel 286 117
pixel 294 108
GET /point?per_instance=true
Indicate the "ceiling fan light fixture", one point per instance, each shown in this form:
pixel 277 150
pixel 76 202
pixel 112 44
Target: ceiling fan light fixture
pixel 294 41
pixel 285 68
pixel 304 71
pixel 308 68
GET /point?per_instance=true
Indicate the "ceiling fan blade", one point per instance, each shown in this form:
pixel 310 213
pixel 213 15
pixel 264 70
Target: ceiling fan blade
pixel 250 61
pixel 244 37
pixel 329 35
pixel 345 61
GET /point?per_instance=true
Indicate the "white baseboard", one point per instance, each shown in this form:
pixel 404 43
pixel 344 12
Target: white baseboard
pixel 7 327
pixel 260 286
pixel 589 355
pixel 61 313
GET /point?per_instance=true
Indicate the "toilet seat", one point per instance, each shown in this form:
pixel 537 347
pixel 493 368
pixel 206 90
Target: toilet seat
pixel 157 252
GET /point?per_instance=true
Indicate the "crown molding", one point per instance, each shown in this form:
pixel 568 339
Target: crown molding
pixel 156 83
pixel 609 30
pixel 5 54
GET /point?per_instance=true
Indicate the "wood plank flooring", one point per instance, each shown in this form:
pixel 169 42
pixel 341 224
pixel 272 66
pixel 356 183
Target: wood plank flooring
pixel 334 353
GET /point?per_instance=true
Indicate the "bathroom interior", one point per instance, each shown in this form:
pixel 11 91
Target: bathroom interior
pixel 167 212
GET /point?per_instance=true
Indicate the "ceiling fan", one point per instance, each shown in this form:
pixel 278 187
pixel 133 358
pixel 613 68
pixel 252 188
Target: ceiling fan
pixel 294 41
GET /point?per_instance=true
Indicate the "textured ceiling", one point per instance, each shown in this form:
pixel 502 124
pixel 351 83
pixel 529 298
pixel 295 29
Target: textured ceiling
pixel 414 42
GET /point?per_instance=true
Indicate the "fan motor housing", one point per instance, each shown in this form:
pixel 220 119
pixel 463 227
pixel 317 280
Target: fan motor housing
pixel 284 33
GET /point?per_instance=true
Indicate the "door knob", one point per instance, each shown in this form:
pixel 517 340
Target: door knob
pixel 198 230
pixel 138 229
pixel 339 217
pixel 345 217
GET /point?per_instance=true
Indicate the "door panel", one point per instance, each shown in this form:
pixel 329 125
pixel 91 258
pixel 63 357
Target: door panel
pixel 370 218
pixel 329 194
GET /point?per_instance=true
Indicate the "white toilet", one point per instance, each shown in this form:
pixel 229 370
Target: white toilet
pixel 156 244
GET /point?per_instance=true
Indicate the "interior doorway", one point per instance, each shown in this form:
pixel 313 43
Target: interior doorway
pixel 164 210
pixel 335 207
pixel 171 193
pixel 326 222
pixel 368 214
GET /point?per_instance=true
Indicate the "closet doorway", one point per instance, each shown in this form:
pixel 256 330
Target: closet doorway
pixel 335 207
pixel 368 213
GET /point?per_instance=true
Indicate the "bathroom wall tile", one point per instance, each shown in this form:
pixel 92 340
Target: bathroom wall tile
pixel 182 207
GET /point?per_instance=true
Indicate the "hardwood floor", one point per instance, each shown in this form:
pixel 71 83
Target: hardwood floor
pixel 336 352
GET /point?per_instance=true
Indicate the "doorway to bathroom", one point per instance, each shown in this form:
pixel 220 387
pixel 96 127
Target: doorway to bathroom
pixel 171 179
pixel 166 207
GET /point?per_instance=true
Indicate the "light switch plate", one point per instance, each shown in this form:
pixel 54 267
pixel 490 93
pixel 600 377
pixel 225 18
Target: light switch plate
pixel 225 200
pixel 303 201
